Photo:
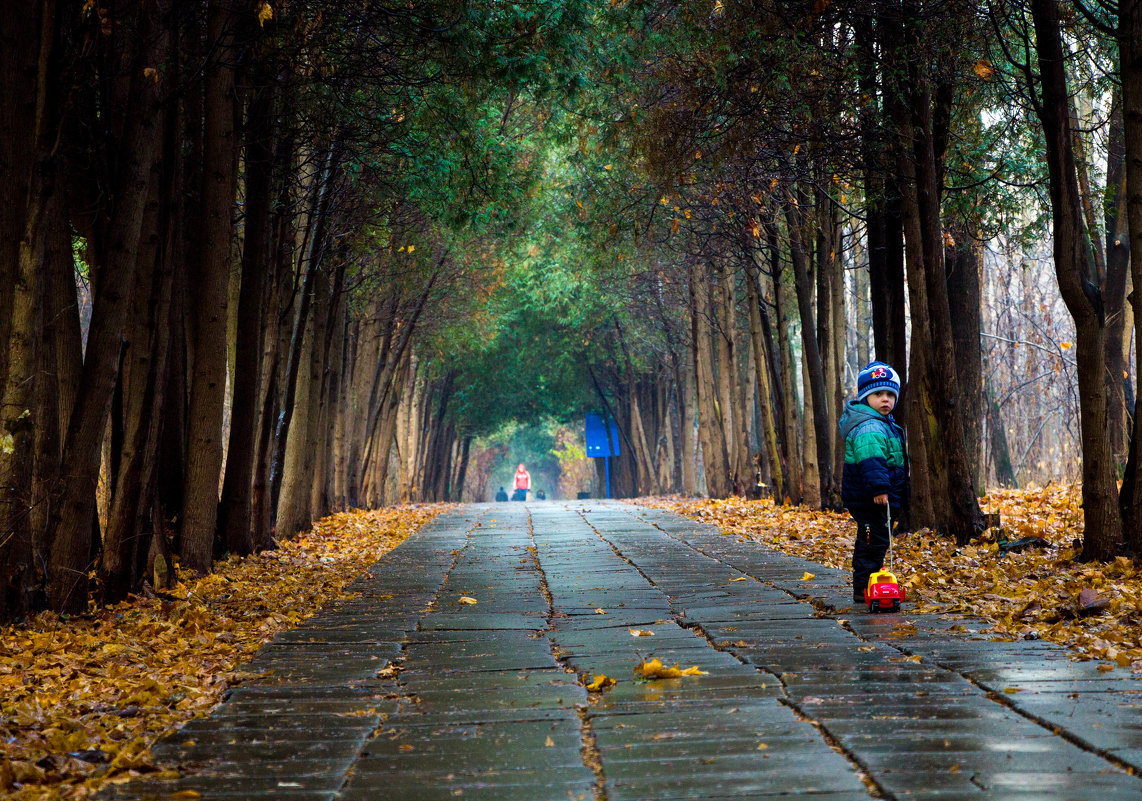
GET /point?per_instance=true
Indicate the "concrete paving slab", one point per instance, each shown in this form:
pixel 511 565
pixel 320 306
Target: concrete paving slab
pixel 806 696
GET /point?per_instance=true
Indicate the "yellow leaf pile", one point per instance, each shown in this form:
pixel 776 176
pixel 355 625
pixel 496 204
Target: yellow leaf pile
pixel 654 669
pixel 1031 594
pixel 82 700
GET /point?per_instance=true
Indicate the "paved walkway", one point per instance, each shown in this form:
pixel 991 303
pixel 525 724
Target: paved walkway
pixel 405 693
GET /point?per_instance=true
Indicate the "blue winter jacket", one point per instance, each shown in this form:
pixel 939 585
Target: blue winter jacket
pixel 875 460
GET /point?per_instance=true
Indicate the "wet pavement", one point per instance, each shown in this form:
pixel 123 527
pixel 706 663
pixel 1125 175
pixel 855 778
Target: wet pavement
pixel 406 692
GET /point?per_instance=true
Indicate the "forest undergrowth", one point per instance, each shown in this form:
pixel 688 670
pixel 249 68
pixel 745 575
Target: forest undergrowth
pixel 82 699
pixel 1037 591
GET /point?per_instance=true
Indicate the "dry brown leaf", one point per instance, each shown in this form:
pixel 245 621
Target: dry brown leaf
pixel 1032 594
pixel 468 600
pixel 108 685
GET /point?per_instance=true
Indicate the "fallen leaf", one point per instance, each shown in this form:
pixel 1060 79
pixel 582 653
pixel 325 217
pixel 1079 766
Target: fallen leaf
pixel 549 743
pixel 807 576
pixel 600 611
pixel 601 682
pixel 739 578
pixel 641 632
pixel 467 599
pixel 654 669
pixel 95 692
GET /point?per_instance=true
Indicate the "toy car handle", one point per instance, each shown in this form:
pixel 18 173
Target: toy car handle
pixel 888 512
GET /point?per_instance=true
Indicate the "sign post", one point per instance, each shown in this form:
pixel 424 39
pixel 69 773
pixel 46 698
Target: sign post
pixel 602 441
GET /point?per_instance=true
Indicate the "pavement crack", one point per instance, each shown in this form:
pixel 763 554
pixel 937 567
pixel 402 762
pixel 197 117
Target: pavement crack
pixel 1004 701
pixel 862 771
pixel 859 768
pixel 392 682
pixel 431 607
pixel 589 752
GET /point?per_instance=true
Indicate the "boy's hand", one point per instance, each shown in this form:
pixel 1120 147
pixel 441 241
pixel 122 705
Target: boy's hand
pixel 881 499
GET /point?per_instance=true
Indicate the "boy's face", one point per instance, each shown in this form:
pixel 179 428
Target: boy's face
pixel 883 400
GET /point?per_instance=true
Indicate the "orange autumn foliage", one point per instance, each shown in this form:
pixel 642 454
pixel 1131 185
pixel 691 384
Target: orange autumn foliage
pixel 82 699
pixel 1031 594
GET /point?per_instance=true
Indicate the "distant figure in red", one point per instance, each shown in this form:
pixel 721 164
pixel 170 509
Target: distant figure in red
pixel 522 483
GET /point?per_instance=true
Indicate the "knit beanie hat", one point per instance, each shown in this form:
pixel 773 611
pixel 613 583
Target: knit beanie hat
pixel 877 376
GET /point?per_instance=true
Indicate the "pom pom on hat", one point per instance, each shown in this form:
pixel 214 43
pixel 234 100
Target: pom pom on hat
pixel 877 376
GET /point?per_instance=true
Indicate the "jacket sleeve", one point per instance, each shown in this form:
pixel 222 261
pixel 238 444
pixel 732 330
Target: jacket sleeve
pixel 870 448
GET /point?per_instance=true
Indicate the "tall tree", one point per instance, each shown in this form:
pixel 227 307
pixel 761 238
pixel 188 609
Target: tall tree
pixel 1077 281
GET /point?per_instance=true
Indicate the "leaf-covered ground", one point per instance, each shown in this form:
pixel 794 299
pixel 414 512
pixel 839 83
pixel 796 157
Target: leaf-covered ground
pixel 82 700
pixel 1034 593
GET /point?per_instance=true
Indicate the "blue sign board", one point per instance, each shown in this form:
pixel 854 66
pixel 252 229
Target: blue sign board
pixel 597 443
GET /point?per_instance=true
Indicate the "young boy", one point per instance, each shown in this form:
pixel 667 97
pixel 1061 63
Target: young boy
pixel 876 468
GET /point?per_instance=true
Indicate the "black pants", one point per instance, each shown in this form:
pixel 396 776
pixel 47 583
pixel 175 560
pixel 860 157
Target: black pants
pixel 869 549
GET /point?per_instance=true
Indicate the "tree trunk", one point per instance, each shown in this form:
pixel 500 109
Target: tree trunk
pixel 962 262
pixel 997 434
pixel 950 487
pixel 816 393
pixel 387 431
pixel 714 456
pixel 765 394
pixel 1103 525
pixel 722 324
pixel 308 266
pixel 686 406
pixel 1130 55
pixel 73 515
pixel 199 518
pixel 295 507
pixel 234 523
pixel 22 39
pixel 643 458
pixel 20 390
pixel 789 411
pixel 1114 292
pixel 462 471
pixel 142 380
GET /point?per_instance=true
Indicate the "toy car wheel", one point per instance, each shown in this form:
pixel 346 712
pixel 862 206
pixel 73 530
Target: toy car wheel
pixel 896 606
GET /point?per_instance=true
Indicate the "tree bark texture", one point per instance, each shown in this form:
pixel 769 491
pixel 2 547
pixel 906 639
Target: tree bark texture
pixel 715 460
pixel 199 516
pixel 1103 525
pixel 234 522
pixel 1130 55
pixel 817 393
pixel 70 532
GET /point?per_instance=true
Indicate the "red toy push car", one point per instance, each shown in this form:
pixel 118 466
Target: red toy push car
pixel 883 593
